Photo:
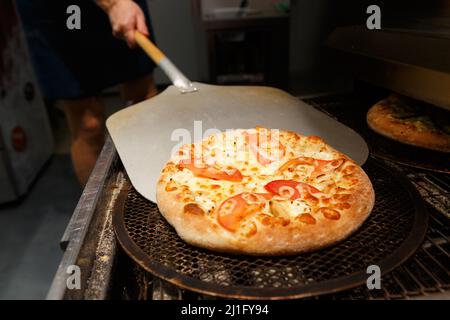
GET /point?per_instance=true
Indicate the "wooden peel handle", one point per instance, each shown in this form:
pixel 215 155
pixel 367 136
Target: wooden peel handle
pixel 178 79
pixel 149 47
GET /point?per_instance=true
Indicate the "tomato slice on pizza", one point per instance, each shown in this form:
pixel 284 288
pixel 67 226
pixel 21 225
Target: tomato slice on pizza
pixel 206 171
pixel 236 208
pixel 293 190
pixel 326 166
pixel 320 166
pixel 296 162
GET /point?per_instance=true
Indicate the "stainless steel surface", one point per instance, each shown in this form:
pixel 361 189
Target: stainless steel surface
pixel 146 134
pixel 102 266
pixel 81 239
pixel 178 79
pixel 411 63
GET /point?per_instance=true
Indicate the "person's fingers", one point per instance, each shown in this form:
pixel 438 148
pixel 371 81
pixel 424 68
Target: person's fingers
pixel 130 37
pixel 141 26
pixel 124 26
pixel 117 30
pixel 117 34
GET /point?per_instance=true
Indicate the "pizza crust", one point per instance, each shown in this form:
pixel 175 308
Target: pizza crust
pixel 380 120
pixel 268 240
pixel 203 230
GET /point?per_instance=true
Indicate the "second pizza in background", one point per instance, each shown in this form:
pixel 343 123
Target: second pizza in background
pixel 411 122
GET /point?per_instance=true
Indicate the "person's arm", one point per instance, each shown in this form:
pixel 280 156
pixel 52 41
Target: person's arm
pixel 126 17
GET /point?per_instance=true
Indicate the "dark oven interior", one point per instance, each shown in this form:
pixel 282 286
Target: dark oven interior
pixel 109 273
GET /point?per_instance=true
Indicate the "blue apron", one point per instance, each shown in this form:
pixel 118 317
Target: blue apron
pixel 72 64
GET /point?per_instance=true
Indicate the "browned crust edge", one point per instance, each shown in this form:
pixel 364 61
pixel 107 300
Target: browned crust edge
pixel 378 120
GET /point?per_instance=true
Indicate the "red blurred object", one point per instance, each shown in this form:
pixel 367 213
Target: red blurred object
pixel 26 140
pixel 18 139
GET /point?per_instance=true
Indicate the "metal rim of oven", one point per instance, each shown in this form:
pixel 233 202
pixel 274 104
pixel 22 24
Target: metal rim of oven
pixel 389 263
pixel 408 163
pixel 399 157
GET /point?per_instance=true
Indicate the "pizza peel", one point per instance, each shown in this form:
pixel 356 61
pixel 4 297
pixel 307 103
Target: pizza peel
pixel 145 134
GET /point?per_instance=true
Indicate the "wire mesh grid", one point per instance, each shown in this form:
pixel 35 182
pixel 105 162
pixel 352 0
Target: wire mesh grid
pixel 427 272
pixel 385 239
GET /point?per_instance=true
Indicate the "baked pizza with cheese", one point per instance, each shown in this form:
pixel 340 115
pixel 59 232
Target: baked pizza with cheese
pixel 263 192
pixel 410 122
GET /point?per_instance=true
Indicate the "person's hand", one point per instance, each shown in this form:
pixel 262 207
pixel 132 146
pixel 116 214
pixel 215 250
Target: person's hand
pixel 126 17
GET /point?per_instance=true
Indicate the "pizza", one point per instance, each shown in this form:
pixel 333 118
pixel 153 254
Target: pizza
pixel 411 122
pixel 263 191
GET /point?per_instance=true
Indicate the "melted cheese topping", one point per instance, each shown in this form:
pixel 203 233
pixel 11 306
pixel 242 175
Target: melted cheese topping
pixel 291 208
pixel 297 207
pixel 230 151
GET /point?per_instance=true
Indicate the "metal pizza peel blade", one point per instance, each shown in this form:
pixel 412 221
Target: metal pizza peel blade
pixel 145 134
